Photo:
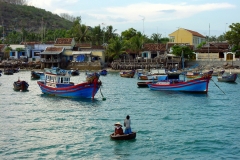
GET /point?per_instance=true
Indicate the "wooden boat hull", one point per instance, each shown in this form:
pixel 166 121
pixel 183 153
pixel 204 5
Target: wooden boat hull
pixel 143 84
pixel 124 137
pixel 82 90
pixel 129 74
pixel 20 86
pixel 199 85
pixel 227 78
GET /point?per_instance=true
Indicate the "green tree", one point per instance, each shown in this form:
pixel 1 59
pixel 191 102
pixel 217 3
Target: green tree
pixel 110 33
pixel 128 34
pixel 115 48
pixel 135 44
pixel 7 52
pixel 178 50
pixel 156 38
pixel 201 44
pixel 233 37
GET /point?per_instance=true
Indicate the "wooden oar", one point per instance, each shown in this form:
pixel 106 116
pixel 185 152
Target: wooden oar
pixel 217 86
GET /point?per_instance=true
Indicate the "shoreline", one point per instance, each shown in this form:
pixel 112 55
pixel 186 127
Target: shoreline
pixel 112 70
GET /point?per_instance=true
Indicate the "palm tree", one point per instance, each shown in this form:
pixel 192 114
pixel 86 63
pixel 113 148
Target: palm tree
pixel 115 48
pixel 135 44
pixel 156 37
pixel 110 33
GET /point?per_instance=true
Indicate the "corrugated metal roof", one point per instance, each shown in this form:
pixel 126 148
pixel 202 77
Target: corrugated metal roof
pixel 14 47
pixel 50 52
pixel 81 52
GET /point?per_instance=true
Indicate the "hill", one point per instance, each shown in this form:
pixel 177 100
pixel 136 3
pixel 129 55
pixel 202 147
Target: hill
pixel 32 19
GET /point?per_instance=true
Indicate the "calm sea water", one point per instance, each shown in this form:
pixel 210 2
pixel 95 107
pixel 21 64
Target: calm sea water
pixel 169 125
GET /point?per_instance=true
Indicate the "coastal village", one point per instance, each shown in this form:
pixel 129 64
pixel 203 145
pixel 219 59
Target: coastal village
pixel 73 91
pixel 66 53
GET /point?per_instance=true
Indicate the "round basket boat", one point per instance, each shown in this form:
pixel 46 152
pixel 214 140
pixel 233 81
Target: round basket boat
pixel 124 136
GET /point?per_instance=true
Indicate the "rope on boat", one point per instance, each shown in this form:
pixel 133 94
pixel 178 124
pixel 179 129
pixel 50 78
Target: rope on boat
pixel 217 85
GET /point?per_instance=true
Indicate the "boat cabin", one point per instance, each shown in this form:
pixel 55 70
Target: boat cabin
pixel 58 79
pixel 171 77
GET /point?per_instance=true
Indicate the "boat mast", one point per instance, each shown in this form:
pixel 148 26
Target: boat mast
pixel 208 44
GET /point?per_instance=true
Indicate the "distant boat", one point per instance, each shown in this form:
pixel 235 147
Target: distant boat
pixel 75 72
pixel 128 74
pixel 57 82
pixel 20 85
pixel 227 77
pixel 172 82
pixel 191 74
pixel 37 75
pixel 103 72
pixel 152 75
pixel 124 136
pixel 8 71
pixel 144 84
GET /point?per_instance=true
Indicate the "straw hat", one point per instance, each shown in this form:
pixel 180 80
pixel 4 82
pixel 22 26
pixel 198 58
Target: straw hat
pixel 118 124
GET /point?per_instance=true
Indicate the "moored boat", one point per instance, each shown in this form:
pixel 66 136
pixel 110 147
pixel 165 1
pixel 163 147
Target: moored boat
pixel 103 72
pixel 8 71
pixel 128 74
pixel 20 85
pixel 227 77
pixel 37 75
pixel 75 72
pixel 144 84
pixel 124 136
pixel 191 74
pixel 174 83
pixel 57 82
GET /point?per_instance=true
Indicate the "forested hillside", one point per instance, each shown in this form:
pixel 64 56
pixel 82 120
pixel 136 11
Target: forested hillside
pixel 16 17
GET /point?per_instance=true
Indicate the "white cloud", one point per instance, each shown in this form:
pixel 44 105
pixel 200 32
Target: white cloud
pixel 155 12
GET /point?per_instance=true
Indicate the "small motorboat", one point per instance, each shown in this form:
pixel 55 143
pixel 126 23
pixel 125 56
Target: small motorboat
pixel 20 85
pixel 227 77
pixel 37 75
pixel 144 84
pixel 103 72
pixel 8 71
pixel 75 72
pixel 128 74
pixel 124 136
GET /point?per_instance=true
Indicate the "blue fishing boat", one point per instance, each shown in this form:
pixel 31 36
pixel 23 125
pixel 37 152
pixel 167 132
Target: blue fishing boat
pixel 57 82
pixel 172 82
pixel 103 72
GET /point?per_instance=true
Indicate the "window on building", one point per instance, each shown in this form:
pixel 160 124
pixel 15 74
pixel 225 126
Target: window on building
pixel 36 53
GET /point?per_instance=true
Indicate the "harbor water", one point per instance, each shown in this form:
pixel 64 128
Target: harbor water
pixel 169 125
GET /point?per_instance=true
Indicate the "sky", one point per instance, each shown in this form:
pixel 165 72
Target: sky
pixel 207 17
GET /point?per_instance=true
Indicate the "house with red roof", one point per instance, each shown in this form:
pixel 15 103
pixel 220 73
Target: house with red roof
pixel 187 36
